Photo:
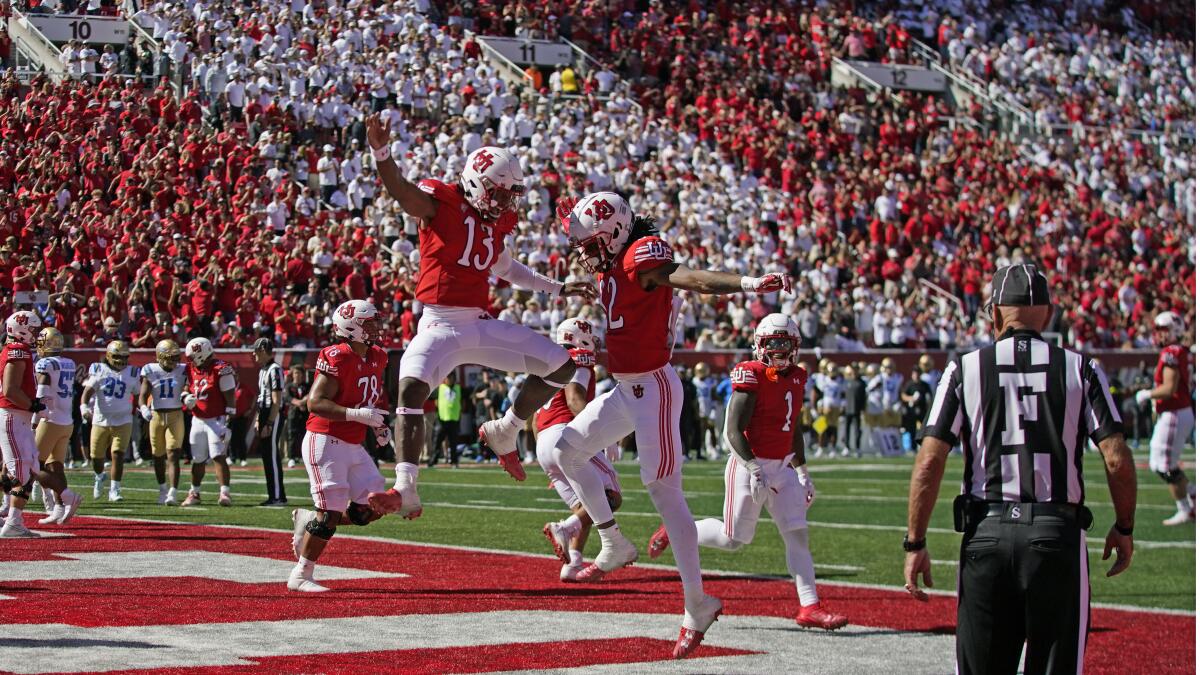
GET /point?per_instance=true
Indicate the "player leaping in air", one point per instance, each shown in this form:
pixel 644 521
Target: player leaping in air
pixel 462 233
pixel 638 275
pixel 767 464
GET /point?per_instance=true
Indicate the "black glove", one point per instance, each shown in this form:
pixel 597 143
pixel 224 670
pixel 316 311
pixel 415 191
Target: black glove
pixel 36 406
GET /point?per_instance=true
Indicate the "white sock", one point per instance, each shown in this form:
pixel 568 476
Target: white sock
pixel 667 495
pixel 406 475
pixel 571 524
pixel 710 533
pixel 100 478
pixel 195 490
pixel 116 485
pixel 1183 505
pixel 576 557
pixel 14 515
pixel 304 566
pixel 800 565
pixel 510 418
pixel 49 500
pixel 609 533
pixel 224 490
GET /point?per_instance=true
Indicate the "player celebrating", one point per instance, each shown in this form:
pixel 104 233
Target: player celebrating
pixel 1173 403
pixel 570 536
pixel 343 402
pixel 108 402
pixel 767 464
pixel 211 383
pixel 637 277
pixel 18 403
pixel 55 375
pixel 161 404
pixel 462 233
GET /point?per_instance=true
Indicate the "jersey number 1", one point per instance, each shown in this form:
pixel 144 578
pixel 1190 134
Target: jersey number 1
pixel 787 420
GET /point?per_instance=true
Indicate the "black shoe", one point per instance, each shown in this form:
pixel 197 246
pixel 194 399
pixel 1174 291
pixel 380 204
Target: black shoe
pixel 274 502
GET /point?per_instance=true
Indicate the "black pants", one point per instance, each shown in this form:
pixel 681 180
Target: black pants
pixel 296 436
pixel 238 426
pixel 272 458
pixel 1022 583
pixel 446 429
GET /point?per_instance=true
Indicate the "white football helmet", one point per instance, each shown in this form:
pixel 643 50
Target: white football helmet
pixel 356 321
pixel 198 350
pixel 492 181
pixel 23 326
pixel 599 226
pixel 776 340
pixel 1169 326
pixel 577 335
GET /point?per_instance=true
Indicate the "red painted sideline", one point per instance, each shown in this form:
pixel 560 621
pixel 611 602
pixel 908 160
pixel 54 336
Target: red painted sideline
pixel 447 580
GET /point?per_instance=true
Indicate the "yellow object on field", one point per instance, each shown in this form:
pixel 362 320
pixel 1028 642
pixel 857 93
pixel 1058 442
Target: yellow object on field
pixel 820 424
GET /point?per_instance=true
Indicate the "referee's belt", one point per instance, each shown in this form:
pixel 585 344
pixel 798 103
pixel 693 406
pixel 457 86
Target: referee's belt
pixel 969 512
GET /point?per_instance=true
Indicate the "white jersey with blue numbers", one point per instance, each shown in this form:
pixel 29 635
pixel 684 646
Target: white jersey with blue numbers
pixel 166 387
pixel 112 393
pixel 61 372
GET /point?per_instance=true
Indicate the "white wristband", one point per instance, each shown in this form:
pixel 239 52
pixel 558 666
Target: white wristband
pixel 749 284
pixel 381 154
pixel 43 390
pixel 85 409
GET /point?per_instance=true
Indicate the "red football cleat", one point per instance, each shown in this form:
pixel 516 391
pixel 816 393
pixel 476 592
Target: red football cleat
pixel 512 464
pixel 695 624
pixel 815 616
pixel 384 503
pixel 687 643
pixel 658 542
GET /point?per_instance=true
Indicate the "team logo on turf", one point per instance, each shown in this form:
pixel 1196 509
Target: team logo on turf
pixel 638 391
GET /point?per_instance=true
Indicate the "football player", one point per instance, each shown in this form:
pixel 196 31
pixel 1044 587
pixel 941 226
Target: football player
pixel 568 537
pixel 211 383
pixel 638 275
pixel 55 375
pixel 343 404
pixel 886 385
pixel 767 465
pixel 463 228
pixel 830 395
pixel 161 404
pixel 1173 404
pixel 107 402
pixel 18 402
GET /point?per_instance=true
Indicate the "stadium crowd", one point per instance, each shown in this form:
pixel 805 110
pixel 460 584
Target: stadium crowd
pixel 248 206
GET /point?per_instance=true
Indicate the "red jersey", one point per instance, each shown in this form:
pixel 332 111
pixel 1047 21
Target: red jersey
pixel 458 248
pixel 641 323
pixel 1175 357
pixel 777 400
pixel 18 352
pixel 556 410
pixel 205 384
pixel 360 385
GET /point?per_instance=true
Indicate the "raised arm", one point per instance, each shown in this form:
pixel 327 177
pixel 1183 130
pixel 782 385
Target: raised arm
pixel 410 197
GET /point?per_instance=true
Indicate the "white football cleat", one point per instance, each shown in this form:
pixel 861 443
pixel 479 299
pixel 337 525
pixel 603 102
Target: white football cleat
pixel 224 500
pixel 695 623
pixel 570 573
pixel 300 519
pixel 69 506
pixel 114 495
pixel 53 516
pixel 304 584
pixel 560 539
pixel 98 487
pixel 1180 518
pixel 162 496
pixel 613 556
pixel 16 529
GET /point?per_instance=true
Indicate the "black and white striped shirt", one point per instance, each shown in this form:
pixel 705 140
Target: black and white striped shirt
pixel 270 378
pixel 1023 410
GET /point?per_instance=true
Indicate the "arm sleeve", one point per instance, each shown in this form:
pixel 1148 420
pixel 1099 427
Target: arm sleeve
pixel 227 381
pixel 946 413
pixel 1100 411
pixel 743 378
pixel 521 276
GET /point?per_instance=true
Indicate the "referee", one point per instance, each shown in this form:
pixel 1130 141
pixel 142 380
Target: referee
pixel 1023 410
pixel 269 422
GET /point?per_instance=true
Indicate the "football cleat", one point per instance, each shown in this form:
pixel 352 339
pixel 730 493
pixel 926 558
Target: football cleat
pixel 409 507
pixel 162 496
pixel 658 542
pixel 53 516
pixel 69 506
pixel 512 464
pixel 300 518
pixel 560 539
pixel 170 501
pixel 570 573
pixel 304 584
pixel 16 529
pixel 193 499
pixel 619 553
pixel 224 500
pixel 1180 518
pixel 816 616
pixel 695 624
pixel 501 437
pixel 98 488
pixel 114 495
pixel 384 503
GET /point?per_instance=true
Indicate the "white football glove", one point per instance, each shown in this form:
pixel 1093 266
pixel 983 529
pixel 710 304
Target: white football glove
pixel 371 417
pixel 768 283
pixel 86 411
pixel 189 400
pixel 146 412
pixel 1142 396
pixel 383 436
pixel 806 484
pixel 226 433
pixel 758 485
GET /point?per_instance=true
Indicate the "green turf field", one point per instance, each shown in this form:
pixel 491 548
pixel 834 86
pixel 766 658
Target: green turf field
pixel 857 520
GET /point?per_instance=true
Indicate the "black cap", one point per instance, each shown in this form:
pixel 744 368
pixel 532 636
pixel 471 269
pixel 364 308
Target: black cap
pixel 263 344
pixel 1021 286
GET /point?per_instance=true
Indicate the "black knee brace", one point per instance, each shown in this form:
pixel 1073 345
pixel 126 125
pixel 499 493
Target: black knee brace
pixel 359 514
pixel 1173 476
pixel 319 527
pixel 7 482
pixel 19 492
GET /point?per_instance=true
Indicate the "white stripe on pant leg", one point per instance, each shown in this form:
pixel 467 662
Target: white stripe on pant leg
pixel 1084 602
pixel 275 460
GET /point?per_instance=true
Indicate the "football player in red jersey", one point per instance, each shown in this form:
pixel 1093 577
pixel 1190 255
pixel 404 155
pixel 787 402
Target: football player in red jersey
pixel 343 403
pixel 638 275
pixel 211 386
pixel 19 400
pixel 767 465
pixel 462 233
pixel 1172 396
pixel 568 537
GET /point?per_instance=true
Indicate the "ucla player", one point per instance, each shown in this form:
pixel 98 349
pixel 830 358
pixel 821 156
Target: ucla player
pixel 161 404
pixel 108 402
pixel 55 377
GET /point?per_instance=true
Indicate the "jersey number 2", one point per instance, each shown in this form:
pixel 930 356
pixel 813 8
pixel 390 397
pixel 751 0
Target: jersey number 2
pixel 613 321
pixel 488 242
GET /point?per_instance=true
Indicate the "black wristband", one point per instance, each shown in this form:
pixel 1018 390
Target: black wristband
pixel 912 546
pixel 1123 531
